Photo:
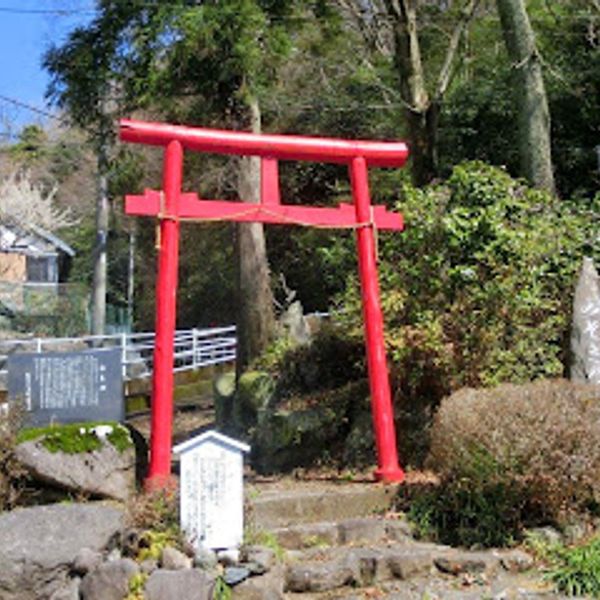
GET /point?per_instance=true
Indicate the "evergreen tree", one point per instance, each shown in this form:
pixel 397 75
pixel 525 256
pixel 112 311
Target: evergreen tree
pixel 199 62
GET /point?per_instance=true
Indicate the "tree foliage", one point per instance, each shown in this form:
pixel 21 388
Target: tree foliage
pixel 480 118
pixel 186 59
pixel 476 291
pixel 423 64
pixel 317 68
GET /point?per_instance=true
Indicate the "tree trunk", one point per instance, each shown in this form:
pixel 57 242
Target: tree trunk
pixel 255 313
pixel 407 58
pixel 100 260
pixel 534 116
pixel 423 135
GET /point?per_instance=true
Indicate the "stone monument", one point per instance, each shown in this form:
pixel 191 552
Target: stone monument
pixel 585 334
pixel 211 494
pixel 68 387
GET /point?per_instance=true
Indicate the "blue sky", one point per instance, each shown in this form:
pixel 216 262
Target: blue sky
pixel 27 28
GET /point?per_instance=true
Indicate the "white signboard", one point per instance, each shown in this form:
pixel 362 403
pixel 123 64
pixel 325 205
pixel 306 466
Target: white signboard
pixel 211 490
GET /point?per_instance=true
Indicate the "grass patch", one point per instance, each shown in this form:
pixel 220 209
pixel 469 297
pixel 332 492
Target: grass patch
pixel 202 388
pixel 137 403
pixel 221 590
pixel 155 542
pixel 460 513
pixel 261 537
pixel 136 587
pixel 76 438
pixel 575 570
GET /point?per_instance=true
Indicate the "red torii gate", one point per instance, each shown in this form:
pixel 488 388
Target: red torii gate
pixel 171 206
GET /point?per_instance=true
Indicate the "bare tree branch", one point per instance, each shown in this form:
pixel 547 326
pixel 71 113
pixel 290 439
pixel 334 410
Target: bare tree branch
pixel 368 19
pixel 447 69
pixel 422 104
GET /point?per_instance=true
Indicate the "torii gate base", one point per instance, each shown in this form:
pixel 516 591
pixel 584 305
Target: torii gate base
pixel 172 206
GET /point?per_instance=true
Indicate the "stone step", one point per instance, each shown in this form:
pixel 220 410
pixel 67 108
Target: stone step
pixel 345 542
pixel 360 530
pixel 404 570
pixel 324 570
pixel 272 506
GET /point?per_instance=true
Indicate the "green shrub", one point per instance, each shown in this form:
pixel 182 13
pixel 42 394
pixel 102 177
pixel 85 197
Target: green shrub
pixel 221 590
pixel 477 290
pixel 329 361
pixel 461 513
pixel 510 457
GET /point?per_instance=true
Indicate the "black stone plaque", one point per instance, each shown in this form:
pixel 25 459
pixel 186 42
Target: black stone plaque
pixel 68 387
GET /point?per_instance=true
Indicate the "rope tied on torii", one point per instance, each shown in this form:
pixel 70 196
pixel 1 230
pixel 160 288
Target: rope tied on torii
pixel 220 211
pixel 257 212
pixel 171 206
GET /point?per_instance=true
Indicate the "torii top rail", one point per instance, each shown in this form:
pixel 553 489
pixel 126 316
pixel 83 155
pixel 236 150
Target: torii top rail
pixel 171 206
pixel 284 147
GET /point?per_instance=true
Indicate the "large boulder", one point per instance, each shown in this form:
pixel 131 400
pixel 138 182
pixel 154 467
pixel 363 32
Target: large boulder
pixel 294 323
pixel 106 472
pixel 110 581
pixel 38 545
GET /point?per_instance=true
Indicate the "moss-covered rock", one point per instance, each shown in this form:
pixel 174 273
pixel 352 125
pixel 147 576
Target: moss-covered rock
pixel 253 395
pixel 255 389
pixel 359 445
pixel 92 459
pixel 223 393
pixel 311 430
pixel 76 438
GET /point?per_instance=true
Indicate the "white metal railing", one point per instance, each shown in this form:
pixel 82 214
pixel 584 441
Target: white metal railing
pixel 193 348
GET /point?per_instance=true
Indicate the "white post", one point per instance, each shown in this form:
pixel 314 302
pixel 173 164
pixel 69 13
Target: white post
pixel 194 349
pixel 124 355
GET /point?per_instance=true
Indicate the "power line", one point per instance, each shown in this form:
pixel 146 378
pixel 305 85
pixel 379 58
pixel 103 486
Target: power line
pixel 45 11
pixel 375 16
pixel 31 108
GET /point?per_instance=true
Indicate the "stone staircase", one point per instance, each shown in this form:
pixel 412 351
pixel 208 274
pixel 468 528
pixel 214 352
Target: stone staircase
pixel 364 555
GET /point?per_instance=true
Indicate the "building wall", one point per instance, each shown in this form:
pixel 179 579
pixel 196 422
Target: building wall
pixel 13 267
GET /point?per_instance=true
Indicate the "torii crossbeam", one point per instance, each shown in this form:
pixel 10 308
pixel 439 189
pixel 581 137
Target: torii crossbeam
pixel 171 205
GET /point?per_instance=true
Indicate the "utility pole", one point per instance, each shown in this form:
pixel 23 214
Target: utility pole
pixel 102 216
pixel 131 275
